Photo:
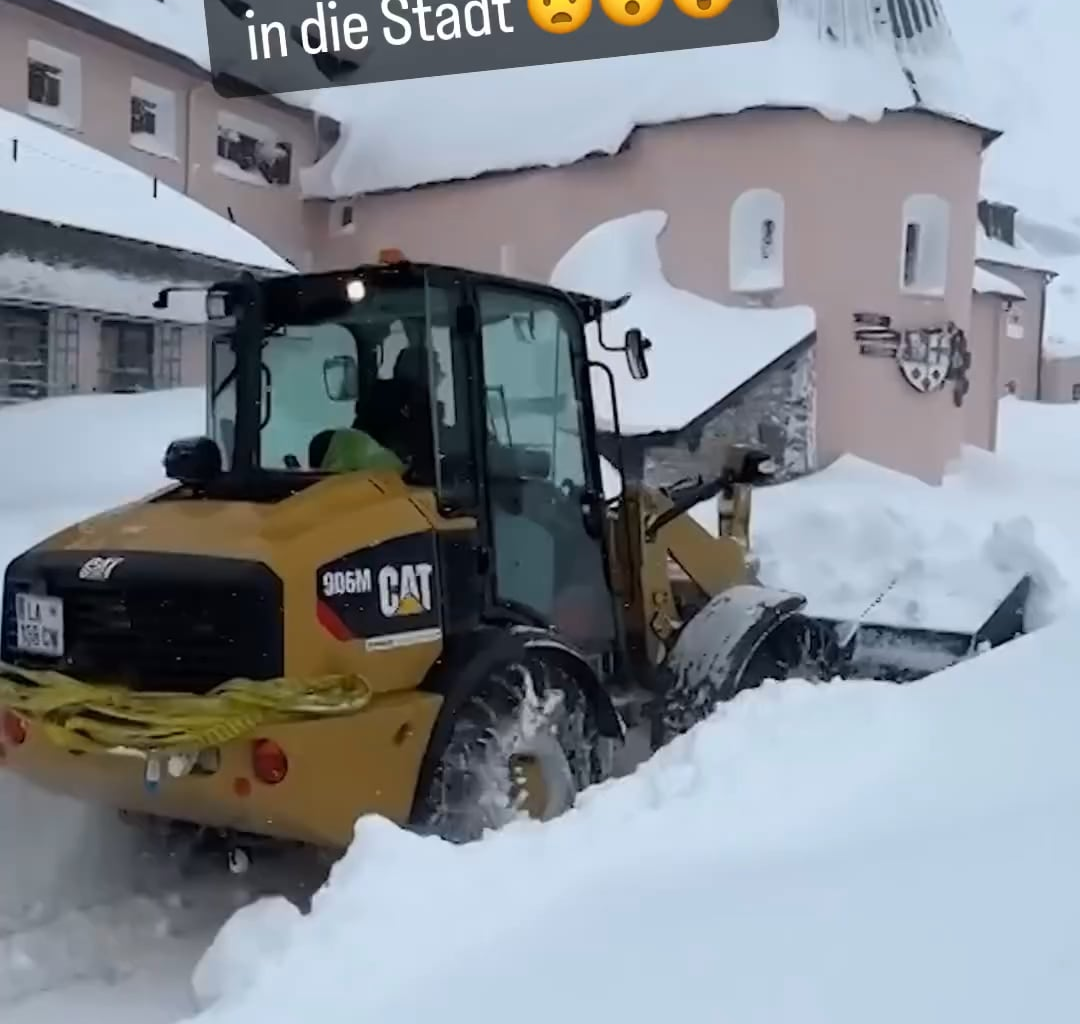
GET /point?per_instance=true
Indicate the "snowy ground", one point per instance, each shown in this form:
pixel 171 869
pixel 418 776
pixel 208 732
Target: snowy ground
pixel 951 553
pixel 846 853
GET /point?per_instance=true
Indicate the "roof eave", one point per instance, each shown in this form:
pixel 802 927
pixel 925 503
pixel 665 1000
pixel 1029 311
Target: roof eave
pixel 988 135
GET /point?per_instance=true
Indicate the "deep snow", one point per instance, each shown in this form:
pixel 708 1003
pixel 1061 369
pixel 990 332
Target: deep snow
pixel 954 551
pixel 804 843
pixel 61 479
pixel 813 855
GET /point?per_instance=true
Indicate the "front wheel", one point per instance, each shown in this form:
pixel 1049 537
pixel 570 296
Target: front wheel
pixel 741 638
pixel 524 742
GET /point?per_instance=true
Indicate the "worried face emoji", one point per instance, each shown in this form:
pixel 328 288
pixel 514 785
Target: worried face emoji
pixel 702 8
pixel 560 16
pixel 631 12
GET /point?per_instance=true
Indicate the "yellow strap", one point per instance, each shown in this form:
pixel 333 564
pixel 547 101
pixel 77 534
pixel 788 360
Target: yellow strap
pixel 82 716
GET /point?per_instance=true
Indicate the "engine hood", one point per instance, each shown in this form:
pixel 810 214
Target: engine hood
pixel 374 506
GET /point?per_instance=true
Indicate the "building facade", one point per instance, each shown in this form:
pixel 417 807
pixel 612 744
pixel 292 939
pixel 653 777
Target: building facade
pixel 156 110
pixel 77 315
pixel 874 223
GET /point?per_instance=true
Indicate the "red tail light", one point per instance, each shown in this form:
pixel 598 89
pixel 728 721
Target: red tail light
pixel 268 762
pixel 14 728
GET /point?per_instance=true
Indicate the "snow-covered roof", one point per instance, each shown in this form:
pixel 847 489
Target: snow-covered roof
pixel 843 58
pixel 176 25
pixel 1020 254
pixel 986 283
pixel 50 176
pixel 702 351
pixel 24 279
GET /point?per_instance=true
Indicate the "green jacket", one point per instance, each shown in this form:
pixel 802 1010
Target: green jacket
pixel 352 451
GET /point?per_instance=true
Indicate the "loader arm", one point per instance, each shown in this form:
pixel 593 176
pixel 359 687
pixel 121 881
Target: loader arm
pixel 679 564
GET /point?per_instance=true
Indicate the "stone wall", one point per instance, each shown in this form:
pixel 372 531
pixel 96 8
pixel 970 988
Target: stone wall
pixel 775 412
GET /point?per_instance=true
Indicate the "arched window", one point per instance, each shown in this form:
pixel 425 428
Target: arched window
pixel 924 245
pixel 756 242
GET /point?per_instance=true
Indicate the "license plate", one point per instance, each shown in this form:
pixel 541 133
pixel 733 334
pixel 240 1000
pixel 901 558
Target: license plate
pixel 39 625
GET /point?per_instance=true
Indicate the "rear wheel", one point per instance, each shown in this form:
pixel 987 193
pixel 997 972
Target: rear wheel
pixel 524 742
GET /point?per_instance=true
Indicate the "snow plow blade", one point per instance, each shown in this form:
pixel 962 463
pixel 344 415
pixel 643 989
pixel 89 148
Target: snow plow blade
pixel 901 654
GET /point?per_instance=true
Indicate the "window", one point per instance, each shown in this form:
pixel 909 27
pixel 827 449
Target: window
pixel 924 255
pixel 359 370
pixel 143 116
pixel 44 83
pixel 153 118
pixel 126 356
pixel 64 352
pixel 251 153
pixel 756 242
pixel 911 253
pixel 1076 392
pixel 24 354
pixel 342 218
pixel 168 369
pixel 53 85
pixel 546 559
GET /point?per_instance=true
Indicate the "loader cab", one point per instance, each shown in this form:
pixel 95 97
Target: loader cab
pixel 480 384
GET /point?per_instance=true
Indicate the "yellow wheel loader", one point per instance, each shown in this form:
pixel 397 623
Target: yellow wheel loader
pixel 387 580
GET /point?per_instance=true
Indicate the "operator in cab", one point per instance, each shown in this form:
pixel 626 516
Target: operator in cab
pixel 392 430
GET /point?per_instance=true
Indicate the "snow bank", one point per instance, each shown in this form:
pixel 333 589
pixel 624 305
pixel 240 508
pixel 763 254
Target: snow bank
pixel 702 351
pixel 64 459
pixel 853 531
pixel 76 456
pixel 825 826
pixel 827 855
pixel 53 177
pixel 458 125
pixel 947 555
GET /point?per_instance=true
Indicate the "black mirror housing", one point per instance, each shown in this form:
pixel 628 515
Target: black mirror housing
pixel 636 346
pixel 192 460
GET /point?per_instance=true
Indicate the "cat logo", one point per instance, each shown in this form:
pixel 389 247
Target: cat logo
pixel 405 590
pixel 99 569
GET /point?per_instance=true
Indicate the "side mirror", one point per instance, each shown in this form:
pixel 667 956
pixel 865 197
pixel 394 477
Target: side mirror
pixel 220 304
pixel 636 347
pixel 192 460
pixel 341 379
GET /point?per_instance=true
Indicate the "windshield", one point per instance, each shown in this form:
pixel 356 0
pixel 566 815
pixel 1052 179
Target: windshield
pixel 363 370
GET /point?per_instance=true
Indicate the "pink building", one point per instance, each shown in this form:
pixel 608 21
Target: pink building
pixel 769 201
pixel 836 167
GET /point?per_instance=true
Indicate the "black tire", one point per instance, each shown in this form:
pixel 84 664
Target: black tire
pixel 475 784
pixel 799 648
